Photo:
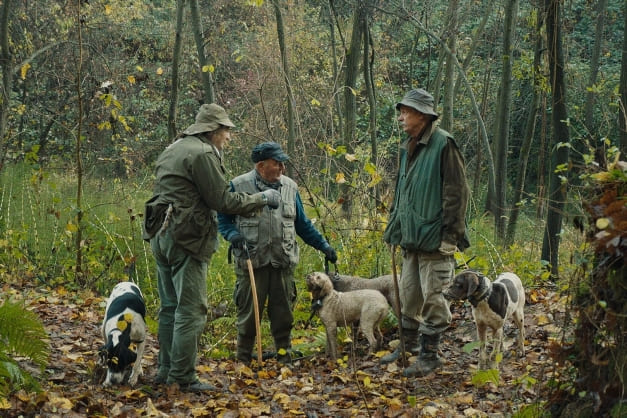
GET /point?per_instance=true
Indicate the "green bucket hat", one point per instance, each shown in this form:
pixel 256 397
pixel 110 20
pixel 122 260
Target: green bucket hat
pixel 420 100
pixel 209 118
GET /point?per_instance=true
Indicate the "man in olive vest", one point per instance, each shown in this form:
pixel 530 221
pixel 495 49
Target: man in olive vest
pixel 427 221
pixel 182 227
pixel 269 239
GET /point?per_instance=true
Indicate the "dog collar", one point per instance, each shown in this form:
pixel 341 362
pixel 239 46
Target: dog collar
pixel 482 293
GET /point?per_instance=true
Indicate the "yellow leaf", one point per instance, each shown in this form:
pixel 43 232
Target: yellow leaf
pixel 4 403
pixel 108 9
pixel 24 70
pixel 159 71
pixel 131 79
pixel 367 382
pixel 315 102
pixel 602 223
pixel 122 325
pixel 339 178
pixel 61 402
pixel 542 320
pixel 139 68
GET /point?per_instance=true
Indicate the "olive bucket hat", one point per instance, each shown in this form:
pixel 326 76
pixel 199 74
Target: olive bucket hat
pixel 209 118
pixel 419 100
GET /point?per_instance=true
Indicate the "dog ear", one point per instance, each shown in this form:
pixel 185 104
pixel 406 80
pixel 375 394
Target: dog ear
pixel 473 282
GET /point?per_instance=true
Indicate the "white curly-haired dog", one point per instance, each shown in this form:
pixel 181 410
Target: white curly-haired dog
pixel 367 306
pixel 384 284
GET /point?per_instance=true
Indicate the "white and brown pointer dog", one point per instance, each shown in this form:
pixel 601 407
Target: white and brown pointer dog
pixel 339 309
pixel 123 324
pixel 492 303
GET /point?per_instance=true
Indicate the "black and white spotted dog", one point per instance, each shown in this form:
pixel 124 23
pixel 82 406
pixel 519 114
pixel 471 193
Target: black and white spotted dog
pixel 492 303
pixel 123 324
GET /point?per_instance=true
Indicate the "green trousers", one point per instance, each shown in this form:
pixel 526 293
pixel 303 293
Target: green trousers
pixel 182 284
pixel 424 277
pixel 276 285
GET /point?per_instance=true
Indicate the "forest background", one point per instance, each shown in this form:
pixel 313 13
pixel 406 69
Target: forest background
pixel 533 92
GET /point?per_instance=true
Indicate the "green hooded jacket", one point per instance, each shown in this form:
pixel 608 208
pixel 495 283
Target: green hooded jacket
pixel 190 177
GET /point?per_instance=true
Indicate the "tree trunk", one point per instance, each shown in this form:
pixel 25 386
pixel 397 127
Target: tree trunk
pixel 7 78
pixel 336 71
pixel 79 276
pixel 504 105
pixel 589 120
pixel 622 109
pixel 291 132
pixel 449 78
pixel 557 187
pixel 176 57
pixel 372 104
pixel 205 74
pixel 530 128
pixel 350 96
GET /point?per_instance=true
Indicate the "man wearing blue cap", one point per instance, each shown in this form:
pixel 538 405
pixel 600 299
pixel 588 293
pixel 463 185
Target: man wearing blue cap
pixel 270 239
pixel 427 221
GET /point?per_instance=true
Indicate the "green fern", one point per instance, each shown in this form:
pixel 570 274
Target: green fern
pixel 21 335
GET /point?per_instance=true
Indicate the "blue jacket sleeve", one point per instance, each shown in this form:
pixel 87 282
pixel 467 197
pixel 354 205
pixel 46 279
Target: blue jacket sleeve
pixel 226 224
pixel 305 228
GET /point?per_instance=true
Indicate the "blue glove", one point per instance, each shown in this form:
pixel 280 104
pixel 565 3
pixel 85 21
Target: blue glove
pixel 330 253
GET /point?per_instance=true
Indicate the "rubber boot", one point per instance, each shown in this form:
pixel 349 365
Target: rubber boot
pixel 428 360
pixel 412 346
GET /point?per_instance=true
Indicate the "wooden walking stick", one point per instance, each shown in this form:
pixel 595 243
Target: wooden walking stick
pixel 397 307
pixel 253 288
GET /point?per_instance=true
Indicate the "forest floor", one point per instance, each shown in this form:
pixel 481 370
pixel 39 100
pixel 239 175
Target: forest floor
pixel 311 387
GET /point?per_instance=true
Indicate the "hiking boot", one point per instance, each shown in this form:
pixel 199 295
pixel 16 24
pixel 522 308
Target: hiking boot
pixel 428 360
pixel 198 386
pixel 160 380
pixel 412 346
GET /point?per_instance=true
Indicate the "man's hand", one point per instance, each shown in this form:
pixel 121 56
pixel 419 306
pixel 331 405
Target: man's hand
pixel 238 241
pixel 272 198
pixel 330 253
pixel 446 248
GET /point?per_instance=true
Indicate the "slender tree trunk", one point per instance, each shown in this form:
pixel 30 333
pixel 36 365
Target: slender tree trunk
pixel 589 120
pixel 504 105
pixel 291 132
pixel 176 57
pixel 79 276
pixel 476 40
pixel 372 104
pixel 7 78
pixel 561 135
pixel 530 127
pixel 205 74
pixel 622 109
pixel 336 71
pixel 350 96
pixel 449 78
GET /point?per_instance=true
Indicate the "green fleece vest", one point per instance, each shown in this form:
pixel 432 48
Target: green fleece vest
pixel 415 223
pixel 270 233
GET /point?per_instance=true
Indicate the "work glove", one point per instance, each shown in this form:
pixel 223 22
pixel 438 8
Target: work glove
pixel 446 248
pixel 330 253
pixel 272 198
pixel 238 242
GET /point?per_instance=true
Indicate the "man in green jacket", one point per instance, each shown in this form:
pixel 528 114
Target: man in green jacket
pixel 427 221
pixel 181 224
